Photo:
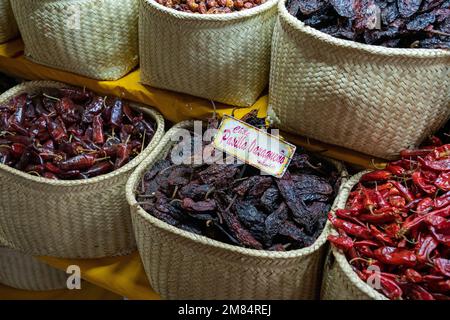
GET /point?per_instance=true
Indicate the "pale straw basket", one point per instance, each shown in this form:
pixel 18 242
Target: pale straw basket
pixel 73 219
pixel 371 99
pixel 94 38
pixel 221 57
pixel 183 265
pixel 8 26
pixel 340 282
pixel 21 271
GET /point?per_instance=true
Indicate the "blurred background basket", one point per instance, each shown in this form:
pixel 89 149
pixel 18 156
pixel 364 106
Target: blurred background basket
pixel 97 39
pixel 72 219
pixel 371 99
pixel 221 57
pixel 8 26
pixel 183 265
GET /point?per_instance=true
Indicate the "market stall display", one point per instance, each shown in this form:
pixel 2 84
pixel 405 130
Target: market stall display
pixel 83 218
pixel 178 257
pixel 368 98
pixel 8 26
pixel 98 39
pixel 221 57
pixel 397 220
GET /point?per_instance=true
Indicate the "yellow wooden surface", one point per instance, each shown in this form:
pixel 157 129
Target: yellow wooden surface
pixel 123 275
pixel 175 107
pixel 88 291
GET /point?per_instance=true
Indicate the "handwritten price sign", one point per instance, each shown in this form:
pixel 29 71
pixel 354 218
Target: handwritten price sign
pixel 254 146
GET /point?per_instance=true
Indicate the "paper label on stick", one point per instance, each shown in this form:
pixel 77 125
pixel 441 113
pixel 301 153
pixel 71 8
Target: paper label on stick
pixel 254 146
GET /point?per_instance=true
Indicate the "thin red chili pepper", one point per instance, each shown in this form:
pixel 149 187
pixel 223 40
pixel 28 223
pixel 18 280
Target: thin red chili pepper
pixel 116 113
pixel 380 236
pixel 97 128
pixel 350 228
pixel 368 243
pixel 419 293
pixel 123 155
pixel 425 205
pixel 17 149
pixel 80 162
pixel 365 251
pixel 438 165
pixel 413 276
pixel 380 216
pixel 99 168
pixel 443 181
pixel 442 201
pixel 403 190
pixel 414 153
pixel 419 181
pixel 425 247
pixel 390 288
pixel 442 265
pixel 442 238
pixel 341 242
pixel 395 170
pixel 417 220
pixel 377 175
pixel 395 256
pixel 439 223
pixel 397 201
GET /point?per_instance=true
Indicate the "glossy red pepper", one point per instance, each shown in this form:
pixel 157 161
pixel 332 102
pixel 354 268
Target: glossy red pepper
pixel 425 205
pixel 442 238
pixel 116 113
pixel 442 265
pixel 397 201
pixel 380 236
pixel 414 153
pixel 425 246
pixel 99 168
pixel 17 149
pixel 438 165
pixel 390 288
pixel 97 128
pixel 443 181
pixel 403 190
pixel 380 216
pixel 420 182
pixel 395 170
pixel 377 175
pixel 80 162
pixel 395 256
pixel 341 242
pixel 417 292
pixel 351 228
pixel 413 276
pixel 123 155
pixel 442 201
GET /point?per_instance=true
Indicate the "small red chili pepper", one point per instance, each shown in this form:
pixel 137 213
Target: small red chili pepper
pixel 116 113
pixel 380 236
pixel 443 181
pixel 438 165
pixel 365 251
pixel 17 149
pixel 99 168
pixel 425 247
pixel 442 238
pixel 35 168
pixel 57 129
pixel 123 154
pixel 403 190
pixel 350 228
pixel 425 205
pixel 341 242
pixel 442 265
pixel 52 168
pixel 97 128
pixel 392 230
pixel 80 162
pixel 128 112
pixel 413 276
pixel 380 216
pixel 348 215
pixel 439 153
pixel 390 288
pixel 440 286
pixel 395 170
pixel 420 182
pixel 442 201
pixel 395 256
pixel 397 201
pixel 368 243
pixel 381 201
pixel 414 153
pixel 439 223
pixel 377 175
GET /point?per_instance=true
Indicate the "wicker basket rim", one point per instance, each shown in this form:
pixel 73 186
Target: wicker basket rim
pixel 210 17
pixel 300 26
pixel 342 260
pixel 157 117
pixel 134 178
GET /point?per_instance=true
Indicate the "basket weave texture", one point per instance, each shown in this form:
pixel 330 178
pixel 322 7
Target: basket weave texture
pixel 22 271
pixel 72 219
pixel 221 57
pixel 340 282
pixel 371 99
pixel 182 265
pixel 8 26
pixel 93 38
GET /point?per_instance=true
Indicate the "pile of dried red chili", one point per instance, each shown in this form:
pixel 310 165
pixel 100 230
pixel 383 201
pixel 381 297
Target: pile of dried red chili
pixel 210 6
pixel 398 219
pixel 70 133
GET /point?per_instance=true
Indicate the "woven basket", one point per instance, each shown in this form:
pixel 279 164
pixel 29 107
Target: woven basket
pixel 8 26
pixel 221 57
pixel 371 99
pixel 182 265
pixel 94 38
pixel 340 282
pixel 73 219
pixel 22 271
